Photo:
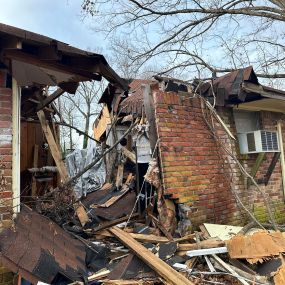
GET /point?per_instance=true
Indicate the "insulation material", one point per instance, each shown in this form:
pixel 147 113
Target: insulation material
pixel 152 174
pixel 167 214
pixel 94 178
pixel 261 245
pixel 184 224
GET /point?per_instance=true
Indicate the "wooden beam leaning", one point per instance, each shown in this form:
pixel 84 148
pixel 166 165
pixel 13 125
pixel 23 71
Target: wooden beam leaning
pixel 50 99
pixel 159 266
pixel 271 167
pixel 53 147
pixel 256 166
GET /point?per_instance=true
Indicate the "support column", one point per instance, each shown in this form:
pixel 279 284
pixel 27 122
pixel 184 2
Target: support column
pixel 16 115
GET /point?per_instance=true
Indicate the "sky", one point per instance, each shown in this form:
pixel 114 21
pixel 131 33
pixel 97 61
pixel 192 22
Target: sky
pixel 59 19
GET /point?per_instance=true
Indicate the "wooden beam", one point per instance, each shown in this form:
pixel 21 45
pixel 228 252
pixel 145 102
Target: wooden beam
pixel 159 266
pixel 256 166
pixel 10 43
pixel 254 88
pixel 49 53
pixel 50 99
pixel 53 147
pixel 129 154
pixel 109 224
pixel 56 66
pixel 229 269
pixel 208 243
pixel 120 174
pixel 271 167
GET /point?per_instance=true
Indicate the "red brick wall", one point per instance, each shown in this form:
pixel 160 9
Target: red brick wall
pixel 5 149
pixel 195 170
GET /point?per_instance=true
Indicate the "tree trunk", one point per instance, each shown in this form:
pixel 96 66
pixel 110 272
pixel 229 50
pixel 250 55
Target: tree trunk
pixel 87 122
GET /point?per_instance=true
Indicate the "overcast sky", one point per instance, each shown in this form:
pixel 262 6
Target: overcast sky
pixel 59 19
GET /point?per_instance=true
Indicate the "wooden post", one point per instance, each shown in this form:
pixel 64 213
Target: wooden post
pixel 256 166
pixel 159 266
pixel 16 114
pixel 279 129
pixel 53 147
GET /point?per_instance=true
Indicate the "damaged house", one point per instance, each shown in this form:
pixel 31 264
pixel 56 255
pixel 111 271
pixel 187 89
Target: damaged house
pixel 174 157
pixel 197 134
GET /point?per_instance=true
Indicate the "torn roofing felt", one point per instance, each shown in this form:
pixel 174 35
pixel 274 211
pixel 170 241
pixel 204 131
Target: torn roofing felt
pixel 39 250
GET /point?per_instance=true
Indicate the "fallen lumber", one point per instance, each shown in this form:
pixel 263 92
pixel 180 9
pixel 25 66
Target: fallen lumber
pixel 158 239
pixel 209 243
pixel 113 223
pixel 229 269
pixel 129 154
pixel 159 266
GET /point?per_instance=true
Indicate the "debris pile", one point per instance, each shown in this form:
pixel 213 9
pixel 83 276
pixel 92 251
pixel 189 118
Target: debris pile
pixel 125 250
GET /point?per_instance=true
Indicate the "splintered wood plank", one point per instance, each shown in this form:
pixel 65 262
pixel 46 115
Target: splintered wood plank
pixel 53 147
pixel 210 243
pixel 154 262
pixel 257 246
pixel 101 123
pixel 120 174
pixel 271 167
pixel 122 192
pixel 256 166
pixel 81 214
pixel 279 277
pixel 229 269
pixel 129 154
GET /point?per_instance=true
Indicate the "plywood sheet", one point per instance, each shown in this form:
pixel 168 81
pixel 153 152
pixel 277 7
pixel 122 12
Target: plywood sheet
pixel 279 278
pixel 224 232
pixel 101 123
pixel 258 246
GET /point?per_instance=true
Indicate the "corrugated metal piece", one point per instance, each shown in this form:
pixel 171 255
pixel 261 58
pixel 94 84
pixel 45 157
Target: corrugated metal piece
pixel 228 87
pixel 133 104
pixel 39 249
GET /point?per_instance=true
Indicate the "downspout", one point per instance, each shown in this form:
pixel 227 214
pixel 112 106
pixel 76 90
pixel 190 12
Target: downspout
pixel 16 114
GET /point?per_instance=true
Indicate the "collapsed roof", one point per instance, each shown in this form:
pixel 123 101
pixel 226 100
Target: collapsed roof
pixel 34 59
pixel 40 250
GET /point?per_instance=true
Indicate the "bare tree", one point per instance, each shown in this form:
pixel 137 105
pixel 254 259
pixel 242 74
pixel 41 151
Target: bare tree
pixel 67 112
pixel 204 36
pixel 78 110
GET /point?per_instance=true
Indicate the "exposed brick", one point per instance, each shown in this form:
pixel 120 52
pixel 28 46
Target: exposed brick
pixel 197 172
pixel 5 152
